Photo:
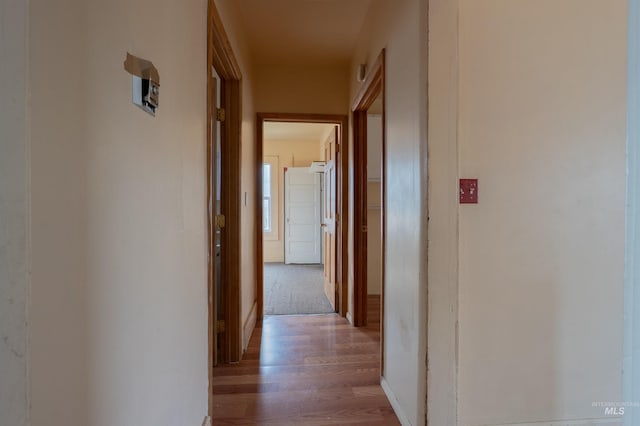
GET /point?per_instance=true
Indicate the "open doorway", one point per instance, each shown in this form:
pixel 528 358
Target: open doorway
pixel 369 230
pixel 293 223
pixel 224 112
pixel 300 169
pixel 374 213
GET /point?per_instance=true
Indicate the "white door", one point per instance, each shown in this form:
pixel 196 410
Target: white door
pixel 302 221
pixel 329 219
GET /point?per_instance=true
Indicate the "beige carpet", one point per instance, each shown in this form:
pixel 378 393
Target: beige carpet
pixel 294 289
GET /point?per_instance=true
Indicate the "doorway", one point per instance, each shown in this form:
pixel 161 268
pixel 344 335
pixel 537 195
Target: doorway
pixel 369 200
pixel 224 112
pixel 300 203
pixel 292 224
pixel 294 194
pixel 374 213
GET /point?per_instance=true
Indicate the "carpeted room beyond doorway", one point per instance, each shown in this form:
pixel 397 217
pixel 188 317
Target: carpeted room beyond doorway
pixel 294 290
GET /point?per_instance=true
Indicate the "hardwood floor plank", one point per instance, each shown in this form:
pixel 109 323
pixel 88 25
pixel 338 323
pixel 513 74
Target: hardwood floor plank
pixel 305 370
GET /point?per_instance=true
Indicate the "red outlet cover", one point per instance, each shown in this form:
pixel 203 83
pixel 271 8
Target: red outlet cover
pixel 468 191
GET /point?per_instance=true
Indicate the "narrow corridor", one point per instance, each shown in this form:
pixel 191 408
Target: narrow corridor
pixel 305 370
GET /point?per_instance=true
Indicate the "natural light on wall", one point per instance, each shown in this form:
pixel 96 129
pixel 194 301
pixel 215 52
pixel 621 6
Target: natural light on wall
pixel 266 197
pixel 270 190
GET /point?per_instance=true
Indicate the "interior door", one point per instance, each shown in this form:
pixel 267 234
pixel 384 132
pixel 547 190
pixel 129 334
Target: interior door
pixel 211 184
pixel 215 225
pixel 329 218
pixel 302 216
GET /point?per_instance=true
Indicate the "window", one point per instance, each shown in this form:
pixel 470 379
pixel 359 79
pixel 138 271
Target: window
pixel 266 197
pixel 271 207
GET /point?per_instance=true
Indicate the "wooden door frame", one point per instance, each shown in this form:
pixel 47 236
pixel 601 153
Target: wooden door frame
pixel 220 57
pixel 373 86
pixel 342 189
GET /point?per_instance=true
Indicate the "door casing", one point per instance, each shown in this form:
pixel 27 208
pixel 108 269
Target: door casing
pixel 220 57
pixel 342 195
pixel 372 88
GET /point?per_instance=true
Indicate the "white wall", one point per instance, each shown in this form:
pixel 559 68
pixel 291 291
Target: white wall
pixel 631 363
pixel 13 213
pixel 59 289
pixel 119 238
pixel 542 126
pixel 400 27
pixel 443 213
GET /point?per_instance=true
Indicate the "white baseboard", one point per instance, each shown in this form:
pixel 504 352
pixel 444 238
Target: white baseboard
pixel 604 421
pixel 249 326
pixel 349 318
pixel 402 417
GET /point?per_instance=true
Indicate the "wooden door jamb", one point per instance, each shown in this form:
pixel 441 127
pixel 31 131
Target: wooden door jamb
pixel 342 198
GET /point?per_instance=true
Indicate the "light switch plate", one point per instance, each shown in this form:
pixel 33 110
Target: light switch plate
pixel 468 191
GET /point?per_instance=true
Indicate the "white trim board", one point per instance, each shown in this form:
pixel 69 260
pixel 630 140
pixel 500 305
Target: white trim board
pixel 631 354
pixel 402 417
pixel 249 326
pixel 604 421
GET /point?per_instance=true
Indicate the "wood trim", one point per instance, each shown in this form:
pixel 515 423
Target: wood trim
pixel 259 249
pixel 301 118
pixel 342 183
pixel 373 87
pixel 219 49
pixel 383 214
pixel 220 57
pixel 211 294
pixel 360 217
pixel 343 207
pixel 231 209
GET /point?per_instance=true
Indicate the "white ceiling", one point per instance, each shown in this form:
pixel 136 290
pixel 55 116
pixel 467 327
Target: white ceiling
pixel 302 32
pixel 298 132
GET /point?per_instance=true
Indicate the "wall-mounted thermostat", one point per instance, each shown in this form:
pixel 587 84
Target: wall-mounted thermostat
pixel 145 83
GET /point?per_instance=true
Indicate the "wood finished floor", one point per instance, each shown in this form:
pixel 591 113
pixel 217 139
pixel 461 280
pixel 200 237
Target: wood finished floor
pixel 305 370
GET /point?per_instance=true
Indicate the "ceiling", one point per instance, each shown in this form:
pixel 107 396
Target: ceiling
pixel 298 132
pixel 302 32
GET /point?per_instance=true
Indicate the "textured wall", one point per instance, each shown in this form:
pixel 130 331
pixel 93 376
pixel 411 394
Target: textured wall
pixel 119 299
pixel 400 28
pixel 542 126
pixel 13 213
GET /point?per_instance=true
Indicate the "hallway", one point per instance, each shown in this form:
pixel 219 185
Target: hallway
pixel 305 370
pixel 519 306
